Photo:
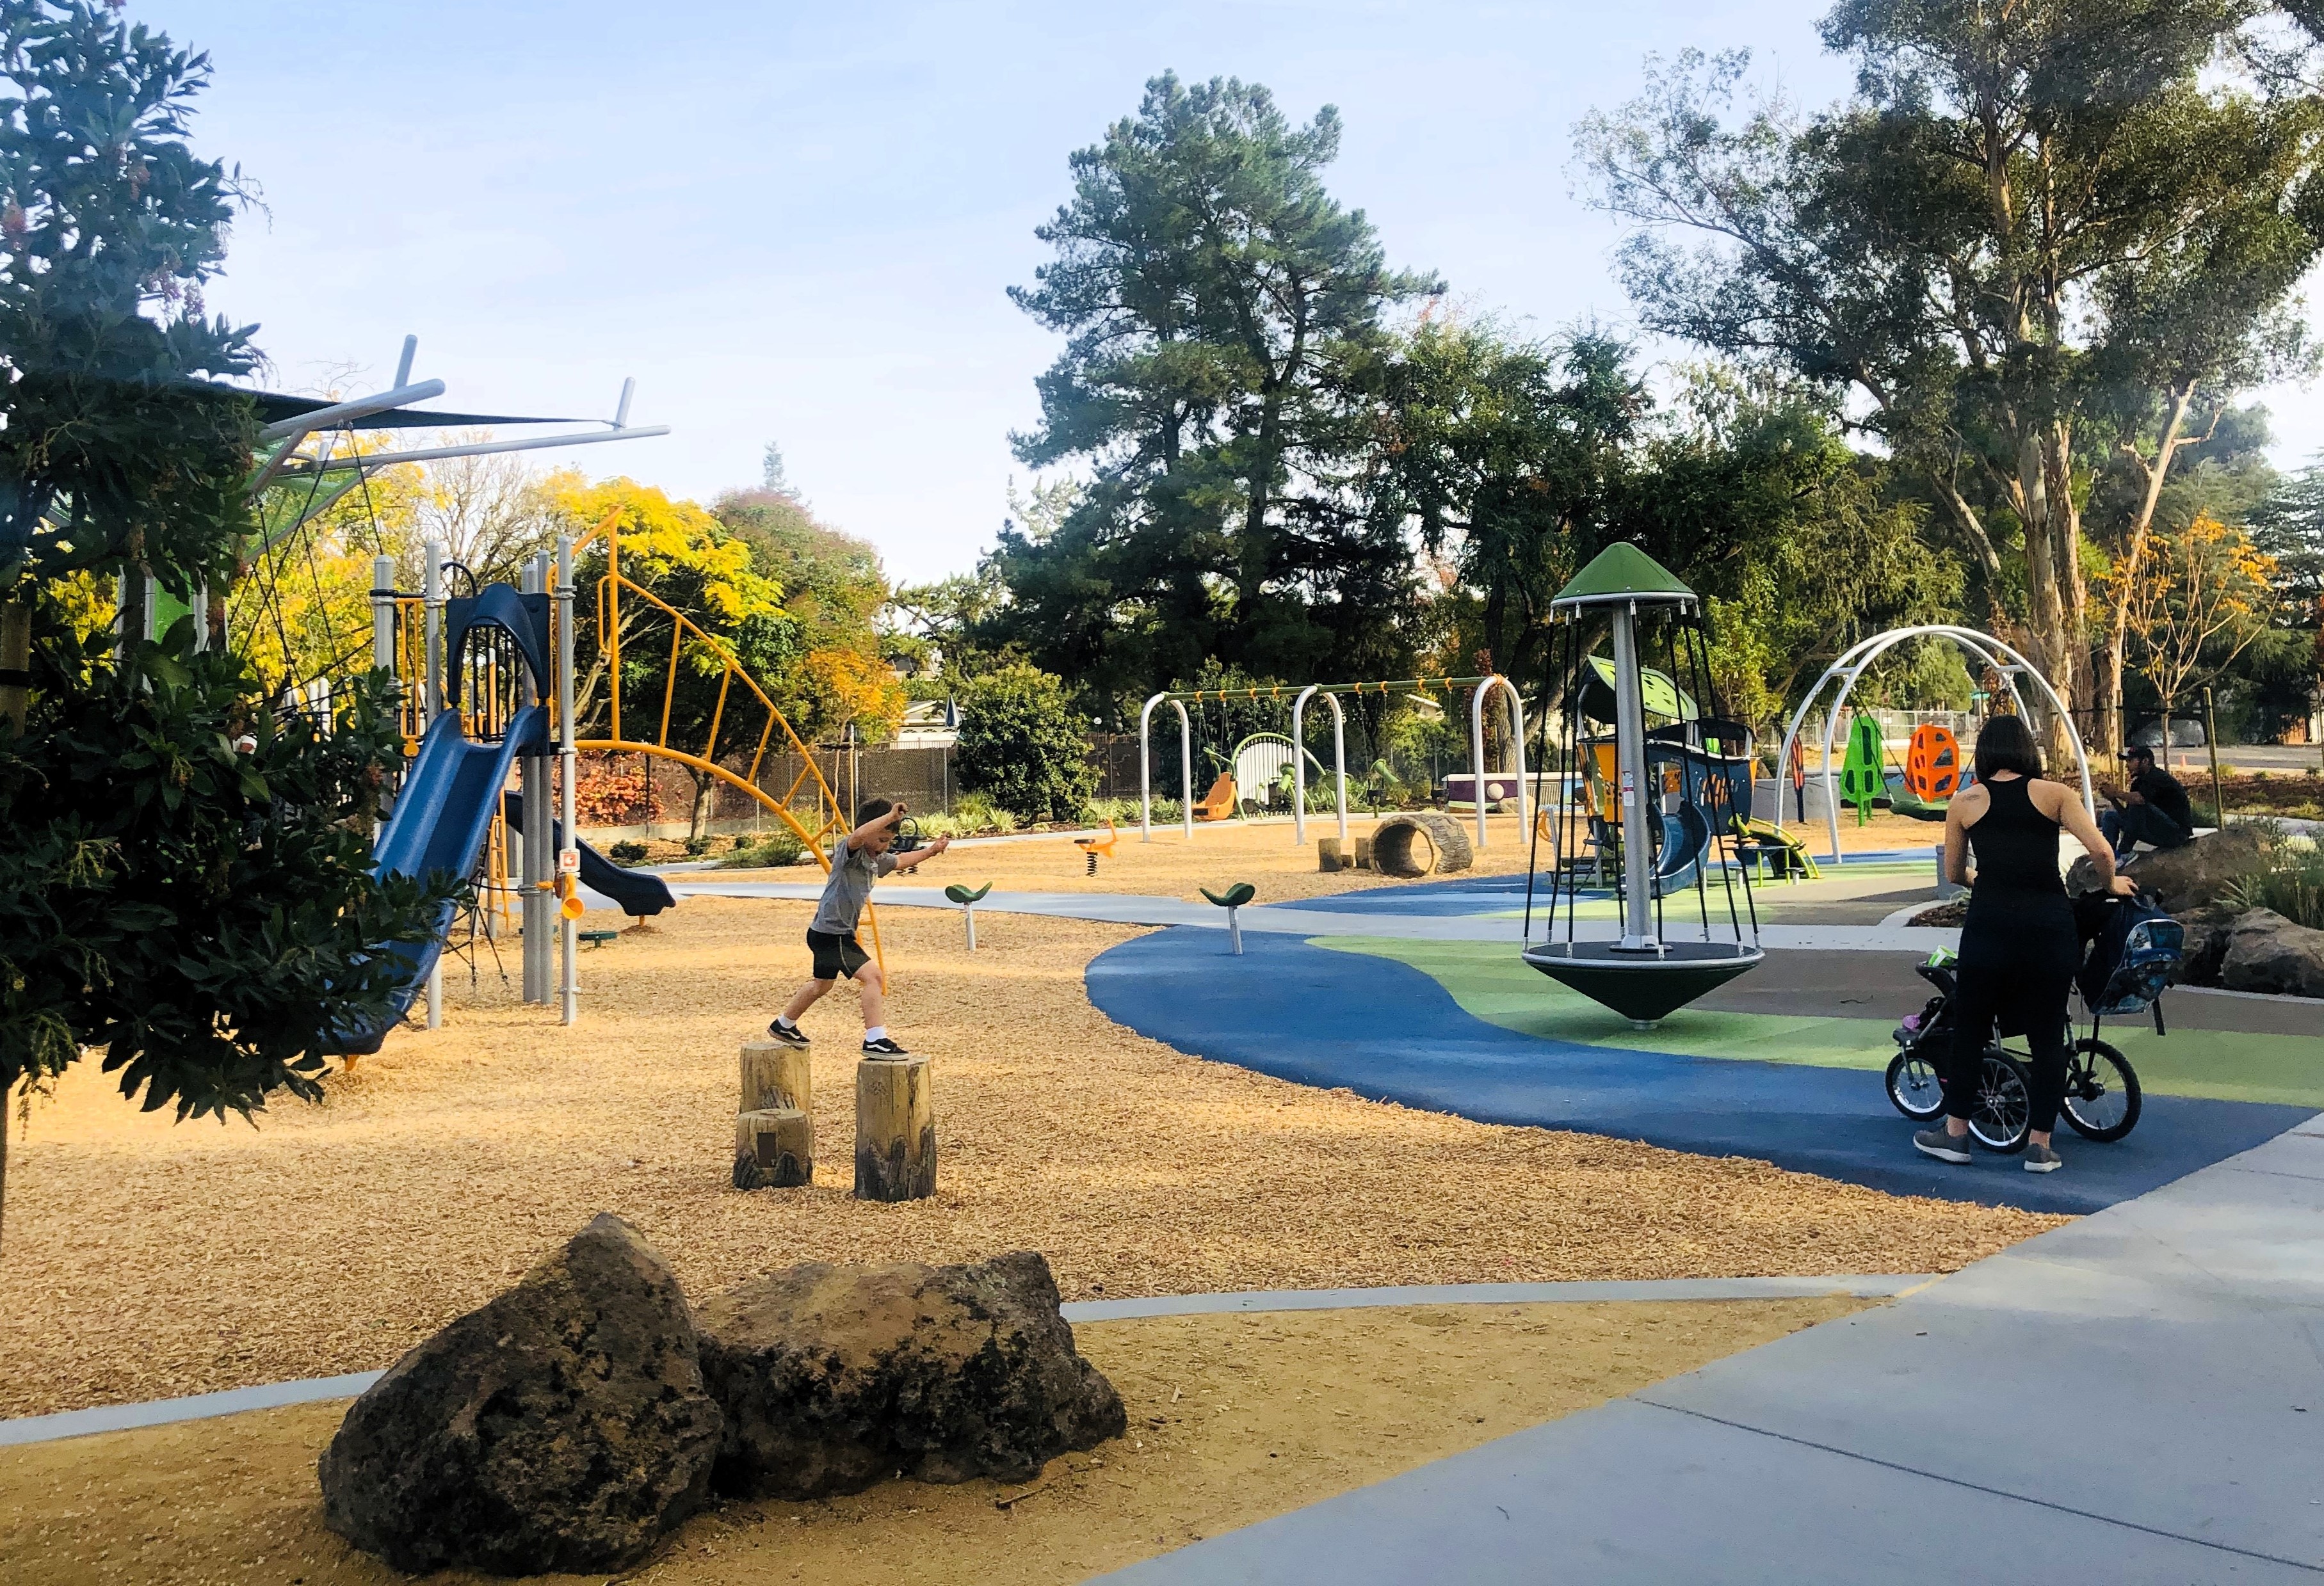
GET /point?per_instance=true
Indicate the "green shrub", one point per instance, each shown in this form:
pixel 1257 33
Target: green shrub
pixel 627 853
pixel 695 847
pixel 1023 746
pixel 2293 886
pixel 974 813
pixel 767 849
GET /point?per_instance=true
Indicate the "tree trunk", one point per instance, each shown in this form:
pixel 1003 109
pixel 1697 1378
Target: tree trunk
pixel 2110 661
pixel 706 791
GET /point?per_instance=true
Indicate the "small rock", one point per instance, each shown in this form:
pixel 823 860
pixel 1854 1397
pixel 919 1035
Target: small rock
pixel 2268 952
pixel 562 1427
pixel 834 1377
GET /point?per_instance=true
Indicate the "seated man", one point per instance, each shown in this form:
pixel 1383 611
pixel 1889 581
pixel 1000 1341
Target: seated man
pixel 2154 811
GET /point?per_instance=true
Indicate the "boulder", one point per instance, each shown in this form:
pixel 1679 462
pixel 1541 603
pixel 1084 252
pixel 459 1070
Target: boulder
pixel 2190 876
pixel 2268 952
pixel 2205 944
pixel 562 1427
pixel 834 1377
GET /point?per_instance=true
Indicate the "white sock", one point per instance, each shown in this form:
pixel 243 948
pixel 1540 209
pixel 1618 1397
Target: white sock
pixel 877 1032
pixel 786 1020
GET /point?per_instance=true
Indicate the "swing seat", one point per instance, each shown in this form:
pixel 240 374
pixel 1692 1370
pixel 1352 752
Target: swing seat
pixel 1219 803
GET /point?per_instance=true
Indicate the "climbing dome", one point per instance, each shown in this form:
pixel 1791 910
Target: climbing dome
pixel 1652 791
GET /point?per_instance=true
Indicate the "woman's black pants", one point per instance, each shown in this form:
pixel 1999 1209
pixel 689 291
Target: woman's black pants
pixel 1973 1006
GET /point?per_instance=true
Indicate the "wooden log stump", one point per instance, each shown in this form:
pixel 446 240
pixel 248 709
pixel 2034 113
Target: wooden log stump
pixel 894 1129
pixel 1332 854
pixel 774 1148
pixel 777 1076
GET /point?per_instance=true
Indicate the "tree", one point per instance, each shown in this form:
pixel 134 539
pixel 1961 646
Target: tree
pixel 202 915
pixel 1224 324
pixel 2033 225
pixel 1022 743
pixel 682 555
pixel 2197 599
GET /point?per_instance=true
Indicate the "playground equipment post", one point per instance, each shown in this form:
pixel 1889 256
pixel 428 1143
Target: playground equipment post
pixel 432 588
pixel 1631 728
pixel 568 863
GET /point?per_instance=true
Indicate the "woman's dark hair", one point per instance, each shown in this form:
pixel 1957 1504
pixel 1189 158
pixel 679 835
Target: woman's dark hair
pixel 871 809
pixel 2006 744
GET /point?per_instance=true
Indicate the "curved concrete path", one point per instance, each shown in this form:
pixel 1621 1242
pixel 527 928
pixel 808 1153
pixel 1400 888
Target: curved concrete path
pixel 2138 1398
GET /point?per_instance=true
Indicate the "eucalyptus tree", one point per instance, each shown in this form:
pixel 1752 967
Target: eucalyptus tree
pixel 2034 230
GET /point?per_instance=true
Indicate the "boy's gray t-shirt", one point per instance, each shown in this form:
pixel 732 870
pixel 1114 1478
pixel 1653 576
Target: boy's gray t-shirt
pixel 848 889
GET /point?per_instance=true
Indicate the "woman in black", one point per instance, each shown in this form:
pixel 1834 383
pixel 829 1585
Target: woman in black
pixel 2018 948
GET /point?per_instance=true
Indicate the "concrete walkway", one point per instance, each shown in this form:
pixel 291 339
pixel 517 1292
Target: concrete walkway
pixel 2136 1397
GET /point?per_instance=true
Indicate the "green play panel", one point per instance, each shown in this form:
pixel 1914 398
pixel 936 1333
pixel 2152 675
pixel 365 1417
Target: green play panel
pixel 1488 982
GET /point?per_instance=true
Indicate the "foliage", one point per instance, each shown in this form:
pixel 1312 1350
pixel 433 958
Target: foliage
pixel 2203 594
pixel 779 847
pixel 202 916
pixel 1224 342
pixel 2292 884
pixel 2034 228
pixel 1023 745
pixel 626 852
pixel 684 557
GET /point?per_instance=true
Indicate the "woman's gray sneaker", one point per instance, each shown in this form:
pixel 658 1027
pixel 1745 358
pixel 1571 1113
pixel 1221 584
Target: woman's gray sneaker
pixel 2043 1159
pixel 1943 1146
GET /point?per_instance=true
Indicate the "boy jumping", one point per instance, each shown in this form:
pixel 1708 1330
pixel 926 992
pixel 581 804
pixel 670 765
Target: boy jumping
pixel 861 860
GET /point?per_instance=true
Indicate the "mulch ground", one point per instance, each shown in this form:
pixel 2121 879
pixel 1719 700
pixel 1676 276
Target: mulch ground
pixel 144 1260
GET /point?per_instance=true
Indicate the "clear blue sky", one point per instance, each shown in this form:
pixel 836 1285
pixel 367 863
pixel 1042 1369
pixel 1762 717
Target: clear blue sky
pixel 797 222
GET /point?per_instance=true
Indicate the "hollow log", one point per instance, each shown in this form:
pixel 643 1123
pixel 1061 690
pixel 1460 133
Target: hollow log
pixel 894 1129
pixel 777 1076
pixel 774 1148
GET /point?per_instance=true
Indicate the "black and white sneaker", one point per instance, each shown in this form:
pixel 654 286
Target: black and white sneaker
pixel 883 1047
pixel 789 1035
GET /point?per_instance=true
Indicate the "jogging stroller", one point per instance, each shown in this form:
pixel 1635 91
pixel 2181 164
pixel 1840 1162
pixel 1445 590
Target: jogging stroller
pixel 2132 953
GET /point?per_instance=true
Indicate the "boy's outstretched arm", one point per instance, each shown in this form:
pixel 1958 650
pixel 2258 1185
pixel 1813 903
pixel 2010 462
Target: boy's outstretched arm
pixel 877 823
pixel 908 861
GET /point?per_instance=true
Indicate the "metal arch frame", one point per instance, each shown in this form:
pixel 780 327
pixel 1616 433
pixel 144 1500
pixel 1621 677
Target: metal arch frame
pixel 1476 746
pixel 1852 664
pixel 1144 768
pixel 1299 764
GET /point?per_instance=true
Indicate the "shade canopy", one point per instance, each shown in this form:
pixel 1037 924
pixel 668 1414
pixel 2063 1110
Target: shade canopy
pixel 1619 574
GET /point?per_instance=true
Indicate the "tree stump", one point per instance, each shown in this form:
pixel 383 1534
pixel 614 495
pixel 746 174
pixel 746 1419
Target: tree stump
pixel 774 1147
pixel 1332 854
pixel 776 1076
pixel 894 1129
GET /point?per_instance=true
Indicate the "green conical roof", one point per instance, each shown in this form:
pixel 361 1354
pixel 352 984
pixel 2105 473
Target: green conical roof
pixel 1622 572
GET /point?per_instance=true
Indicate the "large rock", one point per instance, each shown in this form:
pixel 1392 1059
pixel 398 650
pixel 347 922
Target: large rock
pixel 2189 877
pixel 2268 952
pixel 563 1426
pixel 2205 943
pixel 834 1377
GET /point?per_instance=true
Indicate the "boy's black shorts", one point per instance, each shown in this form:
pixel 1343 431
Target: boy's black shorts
pixel 837 957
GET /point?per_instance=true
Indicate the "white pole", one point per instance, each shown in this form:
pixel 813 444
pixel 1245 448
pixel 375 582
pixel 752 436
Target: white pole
pixel 1185 769
pixel 1477 746
pixel 1630 777
pixel 1340 764
pixel 1146 773
pixel 1299 769
pixel 1234 932
pixel 568 765
pixel 536 811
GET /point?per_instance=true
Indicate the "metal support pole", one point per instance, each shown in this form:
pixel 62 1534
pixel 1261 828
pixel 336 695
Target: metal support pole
pixel 1299 764
pixel 1630 774
pixel 1185 769
pixel 2212 742
pixel 533 783
pixel 569 764
pixel 1477 746
pixel 431 706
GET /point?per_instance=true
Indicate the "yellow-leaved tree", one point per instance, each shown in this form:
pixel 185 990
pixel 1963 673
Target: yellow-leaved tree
pixel 2197 598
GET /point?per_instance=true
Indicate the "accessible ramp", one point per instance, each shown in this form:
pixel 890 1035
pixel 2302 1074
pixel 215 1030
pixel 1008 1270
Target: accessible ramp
pixel 442 816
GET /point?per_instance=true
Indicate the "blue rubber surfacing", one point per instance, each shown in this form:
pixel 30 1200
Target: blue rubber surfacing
pixel 1389 1032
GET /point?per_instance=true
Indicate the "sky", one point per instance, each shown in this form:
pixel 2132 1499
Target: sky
pixel 798 224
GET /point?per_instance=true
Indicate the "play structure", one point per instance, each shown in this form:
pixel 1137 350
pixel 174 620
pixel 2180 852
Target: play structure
pixel 1260 759
pixel 1926 797
pixel 1664 800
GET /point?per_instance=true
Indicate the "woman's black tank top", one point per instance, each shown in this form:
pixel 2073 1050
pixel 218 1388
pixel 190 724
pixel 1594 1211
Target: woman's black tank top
pixel 2015 844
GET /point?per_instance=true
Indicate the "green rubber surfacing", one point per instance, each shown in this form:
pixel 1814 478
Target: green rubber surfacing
pixel 1491 982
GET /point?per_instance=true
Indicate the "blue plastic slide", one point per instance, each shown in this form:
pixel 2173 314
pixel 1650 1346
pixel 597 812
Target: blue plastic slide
pixel 638 893
pixel 440 823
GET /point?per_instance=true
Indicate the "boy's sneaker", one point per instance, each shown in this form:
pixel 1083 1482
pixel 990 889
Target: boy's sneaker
pixel 791 1036
pixel 1943 1146
pixel 883 1047
pixel 2043 1159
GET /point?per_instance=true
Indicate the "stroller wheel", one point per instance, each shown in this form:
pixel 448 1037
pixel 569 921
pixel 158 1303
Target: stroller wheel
pixel 2003 1104
pixel 1913 1088
pixel 2102 1096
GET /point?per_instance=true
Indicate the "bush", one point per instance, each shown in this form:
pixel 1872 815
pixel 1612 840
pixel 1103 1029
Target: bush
pixel 2293 886
pixel 627 854
pixel 973 813
pixel 1023 746
pixel 768 849
pixel 695 847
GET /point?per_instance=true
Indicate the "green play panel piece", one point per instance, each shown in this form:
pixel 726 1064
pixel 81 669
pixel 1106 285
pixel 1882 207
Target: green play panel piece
pixel 964 896
pixel 1234 896
pixel 1491 982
